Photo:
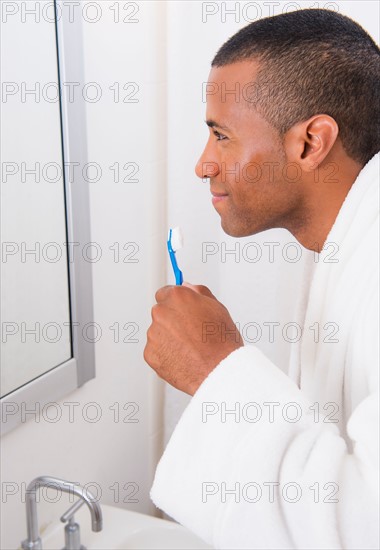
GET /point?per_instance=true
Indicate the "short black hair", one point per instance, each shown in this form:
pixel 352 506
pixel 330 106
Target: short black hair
pixel 313 61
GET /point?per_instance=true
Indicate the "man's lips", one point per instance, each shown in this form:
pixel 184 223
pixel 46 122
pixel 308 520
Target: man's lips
pixel 218 197
pixel 214 194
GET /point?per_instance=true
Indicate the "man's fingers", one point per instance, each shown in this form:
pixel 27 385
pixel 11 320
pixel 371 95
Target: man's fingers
pixel 162 293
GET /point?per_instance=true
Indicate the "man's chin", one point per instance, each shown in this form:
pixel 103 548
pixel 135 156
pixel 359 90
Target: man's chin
pixel 238 232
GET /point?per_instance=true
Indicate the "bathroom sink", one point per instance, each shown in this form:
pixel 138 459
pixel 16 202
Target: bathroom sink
pixel 123 529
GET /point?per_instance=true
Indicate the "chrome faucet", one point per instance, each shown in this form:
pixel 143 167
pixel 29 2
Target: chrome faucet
pixel 33 542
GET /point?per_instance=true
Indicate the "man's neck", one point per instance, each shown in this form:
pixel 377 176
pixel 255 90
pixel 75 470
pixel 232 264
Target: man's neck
pixel 329 187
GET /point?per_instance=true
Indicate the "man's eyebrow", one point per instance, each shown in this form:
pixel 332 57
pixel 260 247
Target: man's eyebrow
pixel 211 123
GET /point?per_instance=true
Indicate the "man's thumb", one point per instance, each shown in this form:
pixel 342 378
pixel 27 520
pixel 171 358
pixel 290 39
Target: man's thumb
pixel 200 289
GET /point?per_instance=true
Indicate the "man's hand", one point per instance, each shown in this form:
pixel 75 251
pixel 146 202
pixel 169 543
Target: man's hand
pixel 191 332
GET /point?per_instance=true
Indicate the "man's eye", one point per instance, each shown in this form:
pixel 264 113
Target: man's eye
pixel 219 136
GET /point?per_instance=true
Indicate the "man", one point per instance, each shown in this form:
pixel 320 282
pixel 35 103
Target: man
pixel 296 465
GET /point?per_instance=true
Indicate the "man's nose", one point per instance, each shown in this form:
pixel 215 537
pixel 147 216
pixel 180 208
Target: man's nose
pixel 205 167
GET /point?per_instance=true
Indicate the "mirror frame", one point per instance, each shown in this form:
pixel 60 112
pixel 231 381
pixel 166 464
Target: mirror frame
pixel 73 373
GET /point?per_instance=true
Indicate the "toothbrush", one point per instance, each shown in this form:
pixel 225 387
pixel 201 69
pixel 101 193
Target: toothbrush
pixel 175 242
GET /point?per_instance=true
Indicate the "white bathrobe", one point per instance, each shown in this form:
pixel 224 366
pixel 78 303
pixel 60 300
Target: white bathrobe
pixel 295 465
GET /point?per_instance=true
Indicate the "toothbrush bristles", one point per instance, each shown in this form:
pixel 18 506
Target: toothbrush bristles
pixel 177 238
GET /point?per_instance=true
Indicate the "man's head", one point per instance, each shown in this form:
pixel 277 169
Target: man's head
pixel 298 92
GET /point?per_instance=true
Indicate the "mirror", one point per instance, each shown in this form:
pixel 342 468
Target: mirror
pixel 34 270
pixel 47 342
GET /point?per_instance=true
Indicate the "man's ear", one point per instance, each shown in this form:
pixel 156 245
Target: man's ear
pixel 309 142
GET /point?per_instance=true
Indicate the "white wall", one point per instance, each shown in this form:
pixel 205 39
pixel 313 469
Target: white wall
pixel 164 133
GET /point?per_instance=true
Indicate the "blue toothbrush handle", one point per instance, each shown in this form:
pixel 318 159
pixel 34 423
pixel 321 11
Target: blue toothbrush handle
pixel 177 272
pixel 178 277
